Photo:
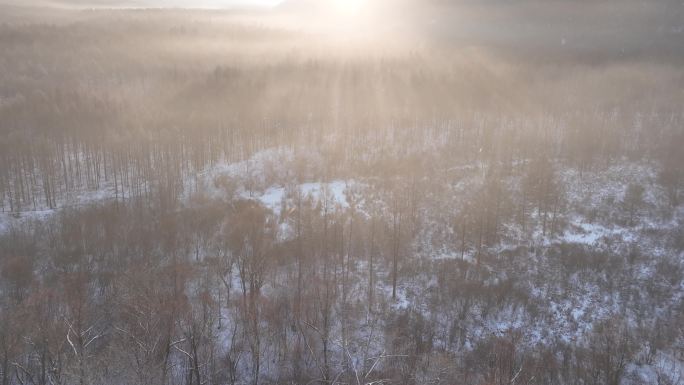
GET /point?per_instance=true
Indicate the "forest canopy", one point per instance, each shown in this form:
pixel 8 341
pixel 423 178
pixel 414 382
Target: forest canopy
pixel 387 192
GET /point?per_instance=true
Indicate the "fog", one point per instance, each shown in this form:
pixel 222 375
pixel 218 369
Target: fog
pixel 341 192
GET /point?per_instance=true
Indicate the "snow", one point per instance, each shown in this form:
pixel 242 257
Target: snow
pixel 402 302
pixel 272 198
pixel 591 233
pixel 260 177
pixel 569 306
pixel 79 198
pixel 4 223
pixel 665 368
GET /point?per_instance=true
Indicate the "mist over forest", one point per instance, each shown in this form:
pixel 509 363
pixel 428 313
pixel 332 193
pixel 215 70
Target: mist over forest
pixel 340 192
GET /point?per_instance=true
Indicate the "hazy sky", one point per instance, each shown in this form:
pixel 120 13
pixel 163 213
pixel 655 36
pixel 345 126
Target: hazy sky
pixel 208 3
pixel 147 3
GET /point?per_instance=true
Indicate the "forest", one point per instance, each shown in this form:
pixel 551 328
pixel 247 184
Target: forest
pixel 474 193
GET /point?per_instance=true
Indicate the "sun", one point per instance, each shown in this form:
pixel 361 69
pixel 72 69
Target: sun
pixel 346 20
pixel 348 7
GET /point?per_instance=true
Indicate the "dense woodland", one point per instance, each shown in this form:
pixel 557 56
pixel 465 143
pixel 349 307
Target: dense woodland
pixel 190 198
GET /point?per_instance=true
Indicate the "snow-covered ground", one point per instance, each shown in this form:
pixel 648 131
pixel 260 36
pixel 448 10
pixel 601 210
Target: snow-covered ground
pixel 568 304
pixel 665 368
pixel 335 191
pixel 78 198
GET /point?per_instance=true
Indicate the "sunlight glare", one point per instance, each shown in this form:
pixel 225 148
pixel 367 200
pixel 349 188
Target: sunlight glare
pixel 348 7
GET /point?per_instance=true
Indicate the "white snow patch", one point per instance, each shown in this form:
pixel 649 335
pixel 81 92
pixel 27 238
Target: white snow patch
pixel 591 233
pixel 272 198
